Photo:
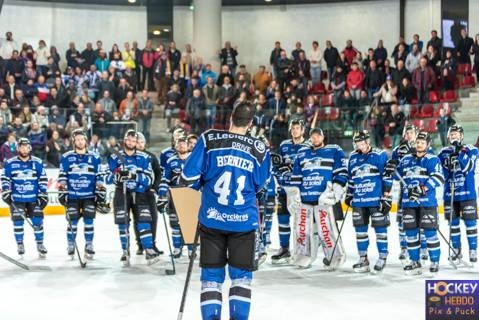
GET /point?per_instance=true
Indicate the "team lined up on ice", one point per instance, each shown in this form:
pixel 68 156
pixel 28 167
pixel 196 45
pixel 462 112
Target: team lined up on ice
pixel 324 175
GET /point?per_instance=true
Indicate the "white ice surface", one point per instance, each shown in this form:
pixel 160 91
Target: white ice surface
pixel 106 290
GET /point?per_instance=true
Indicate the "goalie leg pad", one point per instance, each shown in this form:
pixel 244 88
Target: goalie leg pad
pixel 328 234
pixel 305 248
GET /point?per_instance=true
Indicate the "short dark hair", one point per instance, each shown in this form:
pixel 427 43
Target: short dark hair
pixel 316 43
pixel 243 114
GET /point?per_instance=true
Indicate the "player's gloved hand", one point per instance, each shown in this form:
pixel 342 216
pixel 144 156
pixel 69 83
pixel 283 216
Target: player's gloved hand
pixel 286 168
pixel 390 167
pixel 161 204
pixel 121 176
pixel 403 149
pixel 100 195
pixel 62 194
pixel 385 204
pixel 348 199
pixel 260 195
pixel 42 200
pixel 7 196
pixel 276 160
pixel 414 193
pixel 328 197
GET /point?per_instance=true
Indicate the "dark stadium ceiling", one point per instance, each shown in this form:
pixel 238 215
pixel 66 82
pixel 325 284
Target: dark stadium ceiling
pixel 188 2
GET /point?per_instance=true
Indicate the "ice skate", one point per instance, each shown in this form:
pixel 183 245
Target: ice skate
pixel 89 252
pixel 125 258
pixel 71 251
pixel 21 249
pixel 42 251
pixel 139 252
pixel 424 254
pixel 362 265
pixel 413 268
pixel 282 257
pixel 403 255
pixel 177 252
pixel 380 264
pixel 473 255
pixel 434 267
pixel 151 256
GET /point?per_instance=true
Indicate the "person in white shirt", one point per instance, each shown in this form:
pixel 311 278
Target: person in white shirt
pixel 316 57
pixel 7 46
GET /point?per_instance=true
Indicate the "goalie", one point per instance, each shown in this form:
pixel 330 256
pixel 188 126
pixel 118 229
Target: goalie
pixel 320 173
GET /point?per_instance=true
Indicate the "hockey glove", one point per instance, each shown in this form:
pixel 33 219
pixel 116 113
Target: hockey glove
pixel 42 200
pixel 62 195
pixel 404 149
pixel 161 204
pixel 414 193
pixel 348 199
pixel 390 167
pixel 7 196
pixel 120 176
pixel 276 160
pixel 100 195
pixel 385 204
pixel 327 197
pixel 261 194
pixel 287 168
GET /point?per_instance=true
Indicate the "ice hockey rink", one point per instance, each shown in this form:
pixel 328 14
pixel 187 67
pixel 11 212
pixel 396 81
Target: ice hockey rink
pixel 107 290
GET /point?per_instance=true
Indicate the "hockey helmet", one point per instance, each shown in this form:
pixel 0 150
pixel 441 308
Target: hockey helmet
pixel 296 122
pixel 24 141
pixel 423 135
pixel 456 128
pixel 316 130
pixel 130 133
pixel 362 135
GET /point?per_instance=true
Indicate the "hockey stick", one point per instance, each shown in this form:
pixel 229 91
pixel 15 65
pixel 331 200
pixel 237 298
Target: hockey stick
pixel 15 262
pixel 169 272
pixel 325 260
pixel 188 273
pixel 22 214
pixel 452 187
pixel 82 263
pixel 438 230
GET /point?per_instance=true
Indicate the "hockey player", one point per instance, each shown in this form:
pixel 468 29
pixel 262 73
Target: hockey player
pixel 459 164
pixel 404 148
pixel 421 173
pixel 157 173
pixel 130 170
pixel 320 173
pixel 170 151
pixel 81 188
pixel 171 175
pixel 288 151
pixel 369 197
pixel 24 189
pixel 231 169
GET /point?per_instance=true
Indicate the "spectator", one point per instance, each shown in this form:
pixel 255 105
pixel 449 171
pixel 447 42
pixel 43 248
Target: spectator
pixel 448 71
pixel 331 57
pixel 370 57
pixel 260 122
pixel 395 121
pixel 423 79
pixel 350 52
pixel 343 62
pixel 114 51
pixel 355 81
pixel 226 97
pixel 87 55
pixel 374 79
pixel 54 149
pixel 99 48
pixel 145 113
pixel 15 66
pixel 242 98
pixel 105 84
pixel 196 112
pixel 96 146
pixel 29 73
pixel 309 110
pixel 41 89
pixel 41 117
pixel 443 123
pixel 303 67
pixel 26 114
pixel 19 128
pixel 463 47
pixel 193 84
pixel 38 140
pixel 5 112
pixel 8 149
pixel 160 69
pixel 172 104
pixel 128 108
pixel 387 94
pixel 56 117
pixel 400 73
pixel 364 100
pixel 388 69
pixel 416 41
pixel 174 56
pixel 475 50
pixel 42 54
pixel 112 146
pixel 279 131
pixel 190 56
pixel 297 50
pixel 376 123
pixel 100 120
pixel 117 64
pixel 51 70
pixel 122 90
pixel 242 85
pixel 316 58
pixel 225 73
pixel 380 54
pixel 261 79
pixel 401 52
pixel 407 92
pixel 128 56
pixel 412 60
pixel 211 93
pixel 73 56
pixel 8 46
pixel 208 73
pixel 436 42
pixel 242 71
pixel 102 63
pixel 138 63
pixel 107 103
pixel 227 57
pixel 433 59
pixel 276 105
pixel 274 57
pixel 284 71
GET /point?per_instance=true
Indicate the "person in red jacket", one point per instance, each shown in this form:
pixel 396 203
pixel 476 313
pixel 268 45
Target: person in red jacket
pixel 350 52
pixel 423 79
pixel 355 81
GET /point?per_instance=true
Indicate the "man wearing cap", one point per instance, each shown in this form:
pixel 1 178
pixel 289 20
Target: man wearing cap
pixel 320 172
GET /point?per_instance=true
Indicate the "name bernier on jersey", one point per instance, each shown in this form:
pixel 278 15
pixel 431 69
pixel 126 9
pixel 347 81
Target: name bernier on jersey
pixel 234 161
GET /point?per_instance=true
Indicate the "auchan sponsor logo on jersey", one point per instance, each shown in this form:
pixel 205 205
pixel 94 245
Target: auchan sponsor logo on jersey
pixel 214 214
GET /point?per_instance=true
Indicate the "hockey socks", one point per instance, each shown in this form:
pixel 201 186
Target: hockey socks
pixel 382 241
pixel 89 230
pixel 124 237
pixel 38 228
pixel 18 230
pixel 284 230
pixel 72 232
pixel 211 297
pixel 413 244
pixel 471 231
pixel 362 240
pixel 240 293
pixel 176 237
pixel 433 245
pixel 146 237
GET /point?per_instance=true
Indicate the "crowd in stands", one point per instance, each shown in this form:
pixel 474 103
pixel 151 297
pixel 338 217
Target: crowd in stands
pixel 340 90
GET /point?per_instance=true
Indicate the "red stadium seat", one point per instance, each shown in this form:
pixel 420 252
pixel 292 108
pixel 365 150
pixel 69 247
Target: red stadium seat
pixel 318 88
pixel 418 123
pixel 327 100
pixel 427 111
pixel 414 112
pixel 464 68
pixel 387 142
pixel 433 96
pixel 431 125
pixel 334 114
pixel 468 82
pixel 449 96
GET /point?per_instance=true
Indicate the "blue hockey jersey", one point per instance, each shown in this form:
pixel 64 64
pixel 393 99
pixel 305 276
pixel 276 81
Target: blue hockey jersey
pixel 166 154
pixel 80 173
pixel 24 178
pixel 423 171
pixel 231 169
pixel 171 174
pixel 138 163
pixel 288 151
pixel 462 176
pixel 365 177
pixel 314 168
pixel 396 156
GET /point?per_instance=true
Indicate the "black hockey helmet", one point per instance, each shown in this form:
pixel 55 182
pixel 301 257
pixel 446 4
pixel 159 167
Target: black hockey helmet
pixel 296 122
pixel 316 130
pixel 130 133
pixel 24 141
pixel 423 135
pixel 362 135
pixel 456 128
pixel 409 127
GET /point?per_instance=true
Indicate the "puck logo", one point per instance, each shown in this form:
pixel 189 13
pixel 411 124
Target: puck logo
pixel 302 227
pixel 323 215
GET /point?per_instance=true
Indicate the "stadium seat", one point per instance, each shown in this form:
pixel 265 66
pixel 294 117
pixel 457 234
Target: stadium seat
pixel 468 82
pixel 327 100
pixel 449 96
pixel 387 142
pixel 464 68
pixel 433 96
pixel 431 125
pixel 427 111
pixel 414 112
pixel 318 88
pixel 334 114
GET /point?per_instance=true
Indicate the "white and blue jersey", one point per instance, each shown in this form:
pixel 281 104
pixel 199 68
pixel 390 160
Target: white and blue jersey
pixel 166 154
pixel 80 173
pixel 271 187
pixel 288 151
pixel 231 168
pixel 314 168
pixel 171 174
pixel 395 155
pixel 420 171
pixel 25 179
pixel 365 177
pixel 138 164
pixel 462 175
